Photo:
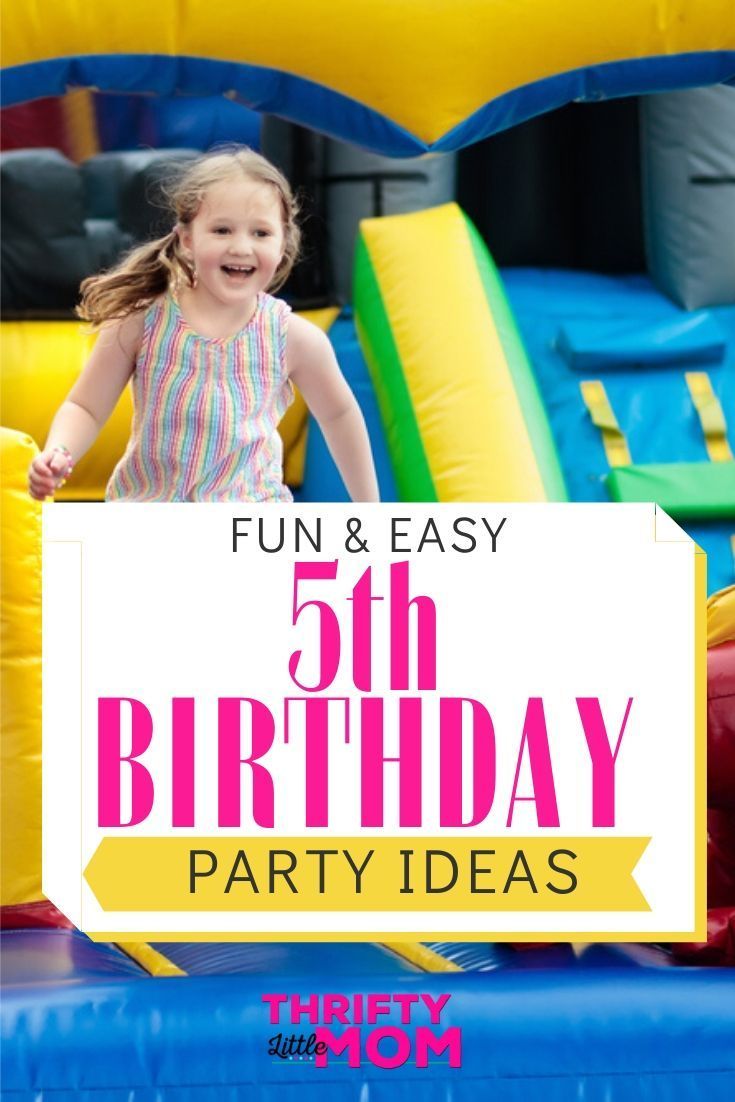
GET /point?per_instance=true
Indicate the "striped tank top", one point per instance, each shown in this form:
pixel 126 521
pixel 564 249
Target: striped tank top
pixel 205 411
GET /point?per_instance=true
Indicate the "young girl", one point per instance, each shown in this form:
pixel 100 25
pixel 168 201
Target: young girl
pixel 211 353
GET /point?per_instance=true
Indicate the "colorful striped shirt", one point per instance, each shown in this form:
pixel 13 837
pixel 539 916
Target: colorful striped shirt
pixel 206 410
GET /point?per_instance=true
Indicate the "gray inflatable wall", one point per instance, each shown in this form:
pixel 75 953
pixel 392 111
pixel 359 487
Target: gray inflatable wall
pixel 688 158
pixel 347 184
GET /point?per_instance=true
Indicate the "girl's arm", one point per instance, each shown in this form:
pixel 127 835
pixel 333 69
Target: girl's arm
pixel 313 368
pixel 90 402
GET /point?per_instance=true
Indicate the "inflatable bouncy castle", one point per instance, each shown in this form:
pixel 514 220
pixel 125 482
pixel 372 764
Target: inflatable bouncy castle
pixel 523 250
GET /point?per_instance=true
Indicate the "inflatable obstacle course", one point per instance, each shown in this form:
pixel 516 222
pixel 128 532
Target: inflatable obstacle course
pixel 86 1021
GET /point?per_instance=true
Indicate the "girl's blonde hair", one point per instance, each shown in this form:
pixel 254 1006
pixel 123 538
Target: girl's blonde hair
pixel 148 271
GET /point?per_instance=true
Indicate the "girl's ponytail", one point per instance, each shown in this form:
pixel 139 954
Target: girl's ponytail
pixel 139 278
pixel 149 270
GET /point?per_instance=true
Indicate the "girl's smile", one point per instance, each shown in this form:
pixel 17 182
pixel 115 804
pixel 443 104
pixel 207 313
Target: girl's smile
pixel 235 242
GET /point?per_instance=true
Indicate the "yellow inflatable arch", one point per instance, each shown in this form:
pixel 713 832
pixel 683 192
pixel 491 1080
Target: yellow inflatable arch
pixel 389 75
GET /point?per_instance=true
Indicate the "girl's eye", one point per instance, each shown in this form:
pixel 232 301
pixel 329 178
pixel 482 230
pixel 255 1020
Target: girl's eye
pixel 262 233
pixel 221 229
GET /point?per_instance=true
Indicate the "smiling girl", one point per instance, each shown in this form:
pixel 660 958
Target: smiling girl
pixel 211 353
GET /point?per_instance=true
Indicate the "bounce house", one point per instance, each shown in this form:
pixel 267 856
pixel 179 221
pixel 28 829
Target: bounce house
pixel 501 350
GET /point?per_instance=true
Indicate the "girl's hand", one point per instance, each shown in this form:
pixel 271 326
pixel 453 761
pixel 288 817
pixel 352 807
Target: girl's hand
pixel 48 471
pixel 90 402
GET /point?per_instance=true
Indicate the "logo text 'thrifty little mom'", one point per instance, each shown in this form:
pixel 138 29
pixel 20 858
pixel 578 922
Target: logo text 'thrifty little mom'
pixel 350 1028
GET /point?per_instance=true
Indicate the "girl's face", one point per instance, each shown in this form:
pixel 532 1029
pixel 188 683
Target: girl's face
pixel 235 241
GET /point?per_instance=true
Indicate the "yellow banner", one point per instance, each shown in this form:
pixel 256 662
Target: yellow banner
pixel 367 874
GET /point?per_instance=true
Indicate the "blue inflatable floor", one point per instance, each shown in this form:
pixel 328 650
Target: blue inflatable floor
pixel 651 400
pixel 601 1024
pixel 616 327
